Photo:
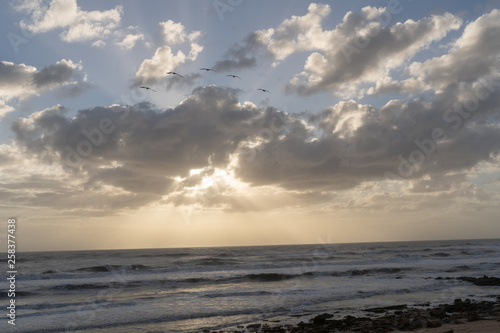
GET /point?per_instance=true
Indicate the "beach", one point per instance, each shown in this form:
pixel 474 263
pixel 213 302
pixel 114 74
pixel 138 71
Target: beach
pixel 375 287
pixel 461 316
pixel 482 326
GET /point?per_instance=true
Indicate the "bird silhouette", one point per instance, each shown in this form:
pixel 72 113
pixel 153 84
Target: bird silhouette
pixel 206 69
pixel 174 73
pixel 264 90
pixel 148 88
pixel 235 76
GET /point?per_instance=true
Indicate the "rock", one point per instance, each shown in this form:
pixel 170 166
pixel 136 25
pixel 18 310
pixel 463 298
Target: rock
pixel 254 326
pixel 386 308
pixel 417 323
pixel 404 319
pixel 321 319
pixel 434 323
pixel 482 281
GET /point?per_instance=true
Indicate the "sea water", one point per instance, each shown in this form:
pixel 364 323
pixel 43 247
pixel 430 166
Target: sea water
pixel 192 289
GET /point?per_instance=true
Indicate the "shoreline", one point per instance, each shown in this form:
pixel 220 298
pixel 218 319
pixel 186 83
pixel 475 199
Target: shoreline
pixel 460 316
pixel 480 326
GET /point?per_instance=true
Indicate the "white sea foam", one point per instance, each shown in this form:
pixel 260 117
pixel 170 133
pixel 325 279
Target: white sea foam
pixel 188 290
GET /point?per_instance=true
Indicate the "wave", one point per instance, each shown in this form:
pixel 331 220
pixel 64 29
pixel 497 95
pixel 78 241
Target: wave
pixel 438 255
pixel 82 286
pixel 472 252
pixel 252 278
pixel 236 294
pixel 166 255
pixel 50 271
pixel 18 260
pixel 458 269
pixel 371 271
pixel 269 277
pixel 18 293
pixel 210 261
pixel 110 268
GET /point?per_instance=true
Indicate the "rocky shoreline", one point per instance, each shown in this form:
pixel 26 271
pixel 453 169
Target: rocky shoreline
pixel 404 319
pixel 395 318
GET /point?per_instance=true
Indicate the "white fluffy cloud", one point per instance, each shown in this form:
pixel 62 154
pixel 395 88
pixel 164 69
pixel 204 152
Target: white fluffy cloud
pixel 4 109
pixel 129 41
pixel 474 54
pixel 77 25
pixel 409 86
pixel 169 55
pixel 360 50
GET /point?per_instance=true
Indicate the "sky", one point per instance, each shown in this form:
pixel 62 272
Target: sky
pixel 376 121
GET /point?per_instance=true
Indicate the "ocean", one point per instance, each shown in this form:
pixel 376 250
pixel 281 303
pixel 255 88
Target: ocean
pixel 219 288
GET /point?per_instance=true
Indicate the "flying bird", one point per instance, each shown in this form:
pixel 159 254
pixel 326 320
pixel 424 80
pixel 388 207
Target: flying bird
pixel 264 90
pixel 206 69
pixel 148 88
pixel 235 76
pixel 174 73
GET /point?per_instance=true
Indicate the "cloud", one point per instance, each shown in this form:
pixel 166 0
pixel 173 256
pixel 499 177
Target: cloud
pixel 245 54
pixel 21 81
pixel 350 143
pixel 214 151
pixel 208 125
pixel 472 55
pixel 129 41
pixel 186 81
pixel 77 25
pixel 358 51
pixel 362 49
pixel 171 34
pixel 409 86
pixel 4 109
pixel 277 43
pixel 300 33
pixel 459 198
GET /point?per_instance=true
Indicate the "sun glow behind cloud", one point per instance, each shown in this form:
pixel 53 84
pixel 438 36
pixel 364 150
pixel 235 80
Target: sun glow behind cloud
pixel 344 146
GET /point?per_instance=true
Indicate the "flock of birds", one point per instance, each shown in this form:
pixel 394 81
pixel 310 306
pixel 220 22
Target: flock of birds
pixel 207 70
